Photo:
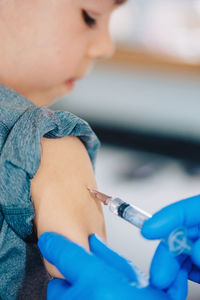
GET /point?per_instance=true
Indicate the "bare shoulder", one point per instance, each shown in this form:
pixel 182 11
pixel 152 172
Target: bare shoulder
pixel 59 191
pixel 65 153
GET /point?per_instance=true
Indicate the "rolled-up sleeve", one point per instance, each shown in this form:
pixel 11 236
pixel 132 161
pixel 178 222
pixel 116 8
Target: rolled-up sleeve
pixel 19 161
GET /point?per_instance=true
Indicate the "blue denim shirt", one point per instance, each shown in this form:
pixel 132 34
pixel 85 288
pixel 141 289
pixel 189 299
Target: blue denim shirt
pixel 22 124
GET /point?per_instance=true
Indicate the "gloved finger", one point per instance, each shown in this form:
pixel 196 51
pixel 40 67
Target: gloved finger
pixel 164 267
pixel 149 293
pixel 183 213
pixel 193 233
pixel 111 258
pixel 57 288
pixel 195 253
pixel 70 258
pixel 179 288
pixel 194 274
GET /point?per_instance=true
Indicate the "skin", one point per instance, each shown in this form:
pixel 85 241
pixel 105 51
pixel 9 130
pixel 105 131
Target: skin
pixel 44 44
pixel 59 191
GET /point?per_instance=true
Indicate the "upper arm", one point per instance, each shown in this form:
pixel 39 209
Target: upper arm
pixel 59 192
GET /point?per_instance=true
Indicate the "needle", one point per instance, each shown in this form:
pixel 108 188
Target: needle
pixel 100 196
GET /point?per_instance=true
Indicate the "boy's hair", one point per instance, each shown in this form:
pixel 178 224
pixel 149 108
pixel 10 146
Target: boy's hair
pixel 120 1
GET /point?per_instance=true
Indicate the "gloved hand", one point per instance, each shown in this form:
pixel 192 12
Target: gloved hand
pixel 99 275
pixel 165 267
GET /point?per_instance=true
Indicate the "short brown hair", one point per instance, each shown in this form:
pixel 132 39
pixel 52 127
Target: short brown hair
pixel 120 1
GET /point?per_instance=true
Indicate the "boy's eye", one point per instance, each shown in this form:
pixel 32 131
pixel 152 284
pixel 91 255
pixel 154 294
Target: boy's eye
pixel 87 19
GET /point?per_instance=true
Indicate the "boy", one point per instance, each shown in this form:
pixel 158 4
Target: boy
pixel 46 45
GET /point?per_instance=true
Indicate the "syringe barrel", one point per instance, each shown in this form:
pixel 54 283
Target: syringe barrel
pixel 177 241
pixel 130 213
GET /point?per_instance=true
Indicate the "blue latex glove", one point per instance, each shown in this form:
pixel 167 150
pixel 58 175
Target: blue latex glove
pixel 98 275
pixel 165 267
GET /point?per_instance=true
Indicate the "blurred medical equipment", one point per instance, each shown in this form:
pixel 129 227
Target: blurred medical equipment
pixel 170 27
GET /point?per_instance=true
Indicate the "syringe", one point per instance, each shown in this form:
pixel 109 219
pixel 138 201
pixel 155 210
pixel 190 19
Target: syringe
pixel 177 241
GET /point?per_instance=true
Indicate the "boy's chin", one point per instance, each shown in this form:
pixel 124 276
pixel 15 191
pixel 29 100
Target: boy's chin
pixel 47 97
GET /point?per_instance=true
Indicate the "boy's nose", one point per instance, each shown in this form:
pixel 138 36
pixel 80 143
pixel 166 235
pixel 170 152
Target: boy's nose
pixel 101 47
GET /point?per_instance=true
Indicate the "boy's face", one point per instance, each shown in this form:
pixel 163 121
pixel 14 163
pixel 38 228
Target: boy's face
pixel 46 43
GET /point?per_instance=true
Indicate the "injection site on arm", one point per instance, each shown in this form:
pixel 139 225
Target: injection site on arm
pixel 59 191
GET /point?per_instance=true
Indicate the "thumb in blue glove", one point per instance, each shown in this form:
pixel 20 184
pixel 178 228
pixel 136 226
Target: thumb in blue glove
pixel 176 291
pixel 102 274
pixel 165 267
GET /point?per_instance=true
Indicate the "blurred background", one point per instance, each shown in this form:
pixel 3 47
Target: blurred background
pixel 144 105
